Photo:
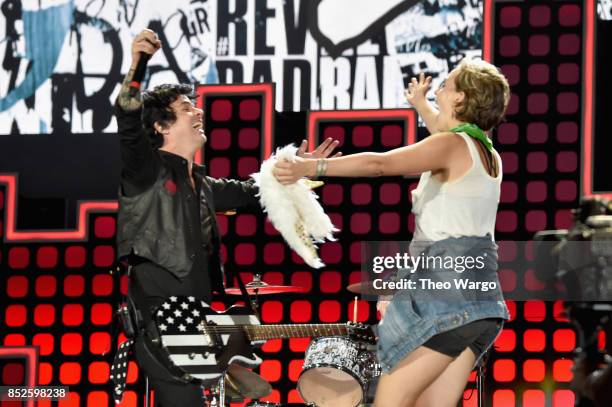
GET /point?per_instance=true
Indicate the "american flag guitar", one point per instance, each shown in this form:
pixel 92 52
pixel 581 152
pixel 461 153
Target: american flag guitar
pixel 202 342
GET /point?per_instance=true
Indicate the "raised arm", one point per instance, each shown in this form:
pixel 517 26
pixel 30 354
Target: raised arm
pixel 140 162
pixel 416 95
pixel 436 152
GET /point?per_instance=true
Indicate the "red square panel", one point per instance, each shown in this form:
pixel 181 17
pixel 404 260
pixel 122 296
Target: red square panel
pixel 295 369
pixel 102 284
pixel 45 286
pixel 535 311
pixel 301 311
pixel 45 343
pixel 534 370
pixel 46 257
pixel 563 398
pixel 70 373
pixel 504 370
pixel 18 257
pixel 271 370
pixel 15 315
pixel 534 340
pixel 99 343
pixel 562 370
pixel 564 340
pixel 75 256
pixel 17 286
pixel 272 312
pixel 534 398
pixel 330 282
pixel 74 285
pixel 71 344
pixel 98 372
pixel 506 341
pixel 329 311
pixel 504 398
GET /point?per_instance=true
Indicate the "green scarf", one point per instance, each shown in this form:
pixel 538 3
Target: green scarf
pixel 474 131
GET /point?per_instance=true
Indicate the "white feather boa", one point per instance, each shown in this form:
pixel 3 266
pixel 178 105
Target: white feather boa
pixel 294 209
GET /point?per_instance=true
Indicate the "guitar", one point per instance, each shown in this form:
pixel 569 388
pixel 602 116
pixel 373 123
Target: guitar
pixel 201 342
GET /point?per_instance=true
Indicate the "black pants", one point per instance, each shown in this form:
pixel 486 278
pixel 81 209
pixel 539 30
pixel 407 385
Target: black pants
pixel 169 390
pixel 477 336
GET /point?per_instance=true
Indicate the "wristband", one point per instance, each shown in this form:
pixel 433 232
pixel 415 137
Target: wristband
pixel 321 167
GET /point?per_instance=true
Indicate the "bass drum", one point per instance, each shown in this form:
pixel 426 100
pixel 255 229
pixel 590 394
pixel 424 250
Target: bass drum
pixel 336 372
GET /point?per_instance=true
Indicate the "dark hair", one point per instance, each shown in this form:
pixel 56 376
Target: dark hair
pixel 156 108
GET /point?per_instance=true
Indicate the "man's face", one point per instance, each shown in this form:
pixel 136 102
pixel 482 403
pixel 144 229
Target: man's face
pixel 188 128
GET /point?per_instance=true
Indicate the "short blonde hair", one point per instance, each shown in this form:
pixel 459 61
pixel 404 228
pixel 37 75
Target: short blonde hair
pixel 487 94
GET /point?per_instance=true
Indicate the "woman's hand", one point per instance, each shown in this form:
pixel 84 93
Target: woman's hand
pixel 417 90
pixel 287 172
pixel 322 151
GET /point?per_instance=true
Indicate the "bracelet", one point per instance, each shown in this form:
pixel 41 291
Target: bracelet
pixel 321 167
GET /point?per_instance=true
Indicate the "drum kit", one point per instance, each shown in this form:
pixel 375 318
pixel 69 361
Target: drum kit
pixel 338 371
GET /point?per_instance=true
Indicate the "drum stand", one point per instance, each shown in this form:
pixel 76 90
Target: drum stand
pixel 221 393
pixel 480 384
pixel 146 400
pixel 480 377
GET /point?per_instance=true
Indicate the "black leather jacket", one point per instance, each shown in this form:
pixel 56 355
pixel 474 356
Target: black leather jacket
pixel 156 219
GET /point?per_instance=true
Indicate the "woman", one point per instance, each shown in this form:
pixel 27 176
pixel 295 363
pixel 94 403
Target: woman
pixel 428 348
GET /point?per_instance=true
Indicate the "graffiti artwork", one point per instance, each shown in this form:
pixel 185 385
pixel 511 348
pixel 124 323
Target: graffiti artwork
pixel 315 62
pixel 604 9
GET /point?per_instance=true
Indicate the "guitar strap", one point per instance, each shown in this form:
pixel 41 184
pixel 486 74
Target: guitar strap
pixel 128 320
pixel 247 299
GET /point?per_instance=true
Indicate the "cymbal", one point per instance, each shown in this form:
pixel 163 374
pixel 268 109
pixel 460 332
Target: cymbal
pixel 264 288
pixel 366 288
pixel 246 383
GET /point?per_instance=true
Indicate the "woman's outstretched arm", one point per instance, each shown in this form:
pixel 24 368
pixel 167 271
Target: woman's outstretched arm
pixel 433 153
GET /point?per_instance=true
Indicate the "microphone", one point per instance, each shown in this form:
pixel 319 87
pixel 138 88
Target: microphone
pixel 139 73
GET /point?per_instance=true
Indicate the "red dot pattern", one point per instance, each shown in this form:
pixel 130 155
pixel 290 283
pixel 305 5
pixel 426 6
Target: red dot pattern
pixel 244 255
pixel 538 143
pixel 57 294
pixel 540 88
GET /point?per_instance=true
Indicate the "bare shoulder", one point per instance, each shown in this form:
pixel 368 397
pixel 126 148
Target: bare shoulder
pixel 446 139
pixel 448 135
pixel 433 153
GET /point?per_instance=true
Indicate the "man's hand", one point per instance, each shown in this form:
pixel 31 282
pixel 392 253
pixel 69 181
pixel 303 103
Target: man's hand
pixel 148 43
pixel 417 90
pixel 322 151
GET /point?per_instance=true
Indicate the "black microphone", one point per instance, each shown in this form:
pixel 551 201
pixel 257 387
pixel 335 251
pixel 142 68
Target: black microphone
pixel 139 73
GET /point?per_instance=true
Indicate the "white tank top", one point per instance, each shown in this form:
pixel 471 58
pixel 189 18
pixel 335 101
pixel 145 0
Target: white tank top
pixel 466 206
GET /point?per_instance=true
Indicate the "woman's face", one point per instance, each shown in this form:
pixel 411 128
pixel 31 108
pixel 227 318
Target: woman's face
pixel 447 97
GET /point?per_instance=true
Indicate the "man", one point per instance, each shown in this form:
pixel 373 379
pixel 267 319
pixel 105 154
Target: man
pixel 167 205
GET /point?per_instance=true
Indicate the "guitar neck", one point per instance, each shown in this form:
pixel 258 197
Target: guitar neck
pixel 263 332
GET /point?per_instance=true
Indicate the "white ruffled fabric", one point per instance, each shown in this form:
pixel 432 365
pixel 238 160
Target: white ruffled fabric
pixel 294 210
